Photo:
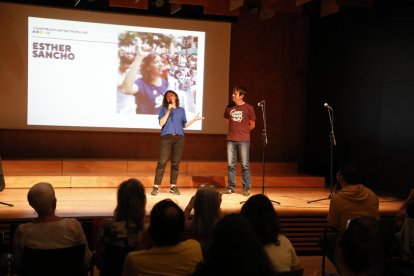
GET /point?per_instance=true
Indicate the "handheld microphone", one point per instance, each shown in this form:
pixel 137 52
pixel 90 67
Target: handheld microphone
pixel 327 106
pixel 261 103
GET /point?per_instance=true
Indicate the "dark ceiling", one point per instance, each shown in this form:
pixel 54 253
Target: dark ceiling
pixel 227 10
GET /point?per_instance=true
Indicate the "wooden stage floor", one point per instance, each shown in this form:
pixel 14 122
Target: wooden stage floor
pixel 100 202
pixel 86 190
pixel 302 222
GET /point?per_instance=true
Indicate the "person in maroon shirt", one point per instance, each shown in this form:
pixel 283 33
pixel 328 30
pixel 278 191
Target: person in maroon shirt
pixel 241 120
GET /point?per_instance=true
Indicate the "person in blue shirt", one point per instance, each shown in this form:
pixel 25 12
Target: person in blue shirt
pixel 172 120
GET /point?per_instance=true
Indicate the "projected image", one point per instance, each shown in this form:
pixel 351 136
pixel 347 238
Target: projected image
pixel 104 75
pixel 152 63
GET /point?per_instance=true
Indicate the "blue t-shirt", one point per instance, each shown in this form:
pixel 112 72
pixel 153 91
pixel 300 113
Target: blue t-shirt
pixel 149 97
pixel 175 122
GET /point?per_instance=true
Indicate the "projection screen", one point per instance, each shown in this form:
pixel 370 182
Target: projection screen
pixel 67 69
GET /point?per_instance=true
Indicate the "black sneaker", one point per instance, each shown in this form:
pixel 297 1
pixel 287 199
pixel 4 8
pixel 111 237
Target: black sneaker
pixel 227 191
pixel 174 190
pixel 246 192
pixel 154 191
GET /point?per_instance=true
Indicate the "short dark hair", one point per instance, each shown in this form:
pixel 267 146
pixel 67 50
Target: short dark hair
pixel 350 173
pixel 167 223
pixel 242 90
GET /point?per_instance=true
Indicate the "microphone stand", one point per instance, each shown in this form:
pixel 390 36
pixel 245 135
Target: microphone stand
pixel 332 144
pixel 264 140
pixel 3 184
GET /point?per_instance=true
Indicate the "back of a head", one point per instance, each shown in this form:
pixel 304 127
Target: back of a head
pixel 41 197
pixel 260 212
pixel 131 201
pixel 167 222
pixel 206 209
pixel 235 249
pixel 350 173
pixel 361 248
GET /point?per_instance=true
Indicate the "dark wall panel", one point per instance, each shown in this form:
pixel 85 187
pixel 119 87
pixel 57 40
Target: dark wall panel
pixel 362 63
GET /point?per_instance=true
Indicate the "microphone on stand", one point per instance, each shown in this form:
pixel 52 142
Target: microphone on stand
pixel 261 103
pixel 327 106
pixel 331 120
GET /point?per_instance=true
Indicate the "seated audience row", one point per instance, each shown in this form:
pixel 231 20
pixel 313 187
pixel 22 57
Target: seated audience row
pixel 175 242
pixel 169 254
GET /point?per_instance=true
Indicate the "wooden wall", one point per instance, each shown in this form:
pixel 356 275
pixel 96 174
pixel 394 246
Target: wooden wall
pixel 269 57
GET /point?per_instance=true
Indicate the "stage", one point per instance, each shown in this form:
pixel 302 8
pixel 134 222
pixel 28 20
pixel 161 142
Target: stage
pixel 86 189
pixel 301 221
pixel 100 202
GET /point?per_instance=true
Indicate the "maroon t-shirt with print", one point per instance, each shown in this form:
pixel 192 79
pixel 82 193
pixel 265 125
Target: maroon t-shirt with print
pixel 239 117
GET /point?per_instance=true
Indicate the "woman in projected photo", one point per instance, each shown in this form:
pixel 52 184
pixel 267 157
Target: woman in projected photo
pixel 149 89
pixel 154 69
pixel 173 120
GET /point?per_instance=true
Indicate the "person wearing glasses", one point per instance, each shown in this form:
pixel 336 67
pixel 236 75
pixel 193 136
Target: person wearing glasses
pixel 351 201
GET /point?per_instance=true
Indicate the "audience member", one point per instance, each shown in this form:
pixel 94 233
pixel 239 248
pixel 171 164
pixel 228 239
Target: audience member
pixel 206 207
pixel 126 228
pixel 260 212
pixel 169 255
pixel 405 235
pixel 351 201
pixel 361 249
pixel 235 250
pixel 401 213
pixel 47 231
